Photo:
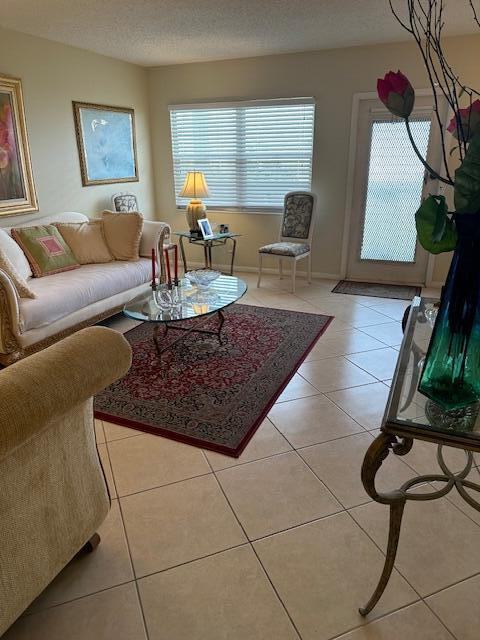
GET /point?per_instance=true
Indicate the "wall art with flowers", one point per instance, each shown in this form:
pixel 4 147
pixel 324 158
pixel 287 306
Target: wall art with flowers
pixel 17 189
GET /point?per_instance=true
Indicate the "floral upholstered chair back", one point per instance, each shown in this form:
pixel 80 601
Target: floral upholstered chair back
pixel 298 216
pixel 124 202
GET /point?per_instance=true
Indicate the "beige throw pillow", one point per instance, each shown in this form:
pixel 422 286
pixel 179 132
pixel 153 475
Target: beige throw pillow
pixel 123 232
pixel 86 240
pixel 19 283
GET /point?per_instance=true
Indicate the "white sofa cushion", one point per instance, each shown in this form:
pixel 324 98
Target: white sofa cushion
pixel 15 255
pixel 64 293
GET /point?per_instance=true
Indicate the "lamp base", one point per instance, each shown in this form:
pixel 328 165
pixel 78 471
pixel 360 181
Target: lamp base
pixel 195 211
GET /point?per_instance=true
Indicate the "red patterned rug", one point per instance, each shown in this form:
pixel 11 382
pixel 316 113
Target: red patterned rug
pixel 208 394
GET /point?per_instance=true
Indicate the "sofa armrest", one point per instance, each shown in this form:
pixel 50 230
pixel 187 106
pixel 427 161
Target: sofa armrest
pixel 48 384
pixel 152 231
pixel 10 320
pixel 155 235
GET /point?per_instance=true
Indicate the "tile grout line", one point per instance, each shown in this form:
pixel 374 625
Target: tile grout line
pixel 255 553
pixel 129 550
pixel 82 597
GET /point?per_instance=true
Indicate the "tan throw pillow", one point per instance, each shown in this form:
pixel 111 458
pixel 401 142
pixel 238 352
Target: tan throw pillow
pixel 122 233
pixel 46 250
pixel 19 283
pixel 86 240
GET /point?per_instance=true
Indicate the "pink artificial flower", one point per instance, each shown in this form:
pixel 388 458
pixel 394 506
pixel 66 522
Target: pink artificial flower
pixel 470 121
pixel 396 93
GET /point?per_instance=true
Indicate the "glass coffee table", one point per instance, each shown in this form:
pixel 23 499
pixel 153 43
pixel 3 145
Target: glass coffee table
pixel 189 302
pixel 411 416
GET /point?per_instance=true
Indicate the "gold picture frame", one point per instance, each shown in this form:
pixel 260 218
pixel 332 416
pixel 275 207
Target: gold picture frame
pixel 17 187
pixel 106 142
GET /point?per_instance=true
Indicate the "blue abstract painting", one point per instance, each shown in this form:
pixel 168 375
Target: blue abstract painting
pixel 107 144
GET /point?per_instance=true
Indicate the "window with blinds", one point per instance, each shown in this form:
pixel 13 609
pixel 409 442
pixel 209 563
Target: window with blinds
pixel 252 153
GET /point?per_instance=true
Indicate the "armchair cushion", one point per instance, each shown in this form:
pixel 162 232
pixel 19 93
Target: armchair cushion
pixel 289 249
pixel 52 381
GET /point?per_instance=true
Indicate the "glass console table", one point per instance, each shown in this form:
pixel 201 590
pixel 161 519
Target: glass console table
pixel 409 415
pixel 219 239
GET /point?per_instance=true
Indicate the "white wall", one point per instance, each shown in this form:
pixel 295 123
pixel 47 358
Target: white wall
pixel 52 76
pixel 332 77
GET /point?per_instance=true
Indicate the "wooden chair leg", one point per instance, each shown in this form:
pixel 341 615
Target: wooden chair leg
pixel 280 268
pixel 91 544
pixel 260 257
pixel 294 274
pixel 309 268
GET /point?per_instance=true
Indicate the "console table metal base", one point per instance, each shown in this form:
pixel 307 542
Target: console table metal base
pixel 376 454
pixel 157 339
pixel 207 250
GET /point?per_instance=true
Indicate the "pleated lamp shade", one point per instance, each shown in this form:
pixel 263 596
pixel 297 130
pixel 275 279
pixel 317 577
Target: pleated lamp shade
pixel 195 186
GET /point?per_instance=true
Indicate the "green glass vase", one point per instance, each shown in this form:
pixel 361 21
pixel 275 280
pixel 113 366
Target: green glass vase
pixel 451 372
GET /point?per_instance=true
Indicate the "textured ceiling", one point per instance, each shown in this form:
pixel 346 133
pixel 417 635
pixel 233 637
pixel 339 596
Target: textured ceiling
pixel 159 32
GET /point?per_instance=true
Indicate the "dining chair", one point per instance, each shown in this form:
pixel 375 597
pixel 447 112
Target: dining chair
pixel 295 238
pixel 124 201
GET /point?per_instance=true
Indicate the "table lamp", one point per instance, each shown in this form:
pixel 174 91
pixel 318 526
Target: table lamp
pixel 195 187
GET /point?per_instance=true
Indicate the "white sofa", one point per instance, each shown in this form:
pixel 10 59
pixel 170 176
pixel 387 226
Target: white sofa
pixel 73 299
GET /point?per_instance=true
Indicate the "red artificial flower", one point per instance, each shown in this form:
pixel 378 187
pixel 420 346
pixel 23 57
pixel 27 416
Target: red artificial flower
pixel 468 119
pixel 396 93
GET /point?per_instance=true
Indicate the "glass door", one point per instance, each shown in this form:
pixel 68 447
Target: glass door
pixel 389 184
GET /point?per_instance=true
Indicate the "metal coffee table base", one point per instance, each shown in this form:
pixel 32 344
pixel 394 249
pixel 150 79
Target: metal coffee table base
pixel 159 335
pixel 376 454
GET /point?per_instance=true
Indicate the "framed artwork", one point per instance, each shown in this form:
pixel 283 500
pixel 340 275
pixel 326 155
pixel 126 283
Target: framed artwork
pixel 17 189
pixel 106 143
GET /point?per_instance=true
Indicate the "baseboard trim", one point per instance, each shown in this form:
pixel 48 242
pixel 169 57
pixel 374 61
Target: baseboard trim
pixel 269 270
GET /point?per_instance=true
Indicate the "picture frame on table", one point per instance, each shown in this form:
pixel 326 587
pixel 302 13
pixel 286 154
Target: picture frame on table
pixel 205 228
pixel 106 143
pixel 17 187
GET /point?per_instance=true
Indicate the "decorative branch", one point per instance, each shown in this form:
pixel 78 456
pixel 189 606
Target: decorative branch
pixel 431 171
pixel 475 17
pixel 424 22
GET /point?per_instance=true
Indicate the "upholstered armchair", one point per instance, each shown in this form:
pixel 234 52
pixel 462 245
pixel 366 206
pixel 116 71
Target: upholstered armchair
pixel 53 494
pixel 124 201
pixel 296 232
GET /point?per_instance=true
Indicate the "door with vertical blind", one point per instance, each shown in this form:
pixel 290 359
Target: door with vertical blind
pixel 389 184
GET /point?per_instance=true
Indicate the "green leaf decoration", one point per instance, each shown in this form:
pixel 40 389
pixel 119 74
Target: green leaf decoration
pixel 467 179
pixel 436 231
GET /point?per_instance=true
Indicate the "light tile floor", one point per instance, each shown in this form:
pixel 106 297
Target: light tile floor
pixel 283 542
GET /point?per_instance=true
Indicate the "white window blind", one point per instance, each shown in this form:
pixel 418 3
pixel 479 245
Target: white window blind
pixel 252 153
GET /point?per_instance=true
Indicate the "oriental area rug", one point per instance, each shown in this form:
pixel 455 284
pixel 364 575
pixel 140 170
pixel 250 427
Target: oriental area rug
pixel 209 394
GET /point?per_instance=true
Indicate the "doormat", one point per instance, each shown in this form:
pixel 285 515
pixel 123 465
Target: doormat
pixel 377 290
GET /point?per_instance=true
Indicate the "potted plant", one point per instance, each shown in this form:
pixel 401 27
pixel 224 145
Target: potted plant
pixel 451 372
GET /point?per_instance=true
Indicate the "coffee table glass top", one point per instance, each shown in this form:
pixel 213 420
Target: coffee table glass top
pixel 191 302
pixel 409 408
